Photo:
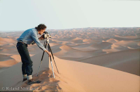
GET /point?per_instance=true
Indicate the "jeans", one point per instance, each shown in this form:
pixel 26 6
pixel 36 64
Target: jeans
pixel 25 58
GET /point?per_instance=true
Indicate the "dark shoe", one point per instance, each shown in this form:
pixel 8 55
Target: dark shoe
pixel 24 79
pixel 33 81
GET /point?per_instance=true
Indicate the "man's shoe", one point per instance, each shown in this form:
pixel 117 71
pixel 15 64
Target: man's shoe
pixel 24 79
pixel 33 81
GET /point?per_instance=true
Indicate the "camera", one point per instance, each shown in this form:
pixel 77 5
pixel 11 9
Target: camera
pixel 46 35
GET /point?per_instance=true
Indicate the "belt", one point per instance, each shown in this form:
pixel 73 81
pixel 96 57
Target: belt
pixel 21 42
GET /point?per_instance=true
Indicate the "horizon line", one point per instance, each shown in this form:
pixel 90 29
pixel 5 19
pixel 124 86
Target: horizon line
pixel 68 28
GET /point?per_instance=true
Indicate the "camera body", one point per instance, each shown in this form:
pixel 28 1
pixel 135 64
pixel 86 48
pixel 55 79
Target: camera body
pixel 46 35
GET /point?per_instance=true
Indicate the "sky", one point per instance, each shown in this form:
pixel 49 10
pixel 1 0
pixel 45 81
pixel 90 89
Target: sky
pixel 18 15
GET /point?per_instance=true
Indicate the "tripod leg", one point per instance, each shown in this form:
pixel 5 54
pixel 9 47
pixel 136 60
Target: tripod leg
pixel 49 47
pixel 52 67
pixel 41 58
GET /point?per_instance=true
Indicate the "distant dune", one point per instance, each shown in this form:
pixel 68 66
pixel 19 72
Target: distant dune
pixel 4 41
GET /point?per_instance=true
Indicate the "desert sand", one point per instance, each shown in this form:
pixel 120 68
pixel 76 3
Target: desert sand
pixel 88 60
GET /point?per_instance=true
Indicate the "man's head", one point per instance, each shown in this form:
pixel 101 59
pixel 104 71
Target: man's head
pixel 41 28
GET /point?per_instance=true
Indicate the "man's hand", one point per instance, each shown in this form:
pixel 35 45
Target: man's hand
pixel 48 52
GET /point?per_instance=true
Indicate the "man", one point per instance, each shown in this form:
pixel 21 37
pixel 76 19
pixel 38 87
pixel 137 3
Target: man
pixel 26 38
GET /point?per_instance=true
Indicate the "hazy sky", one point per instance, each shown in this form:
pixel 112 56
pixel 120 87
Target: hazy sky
pixel 60 14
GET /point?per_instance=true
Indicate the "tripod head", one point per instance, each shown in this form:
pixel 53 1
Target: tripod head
pixel 46 36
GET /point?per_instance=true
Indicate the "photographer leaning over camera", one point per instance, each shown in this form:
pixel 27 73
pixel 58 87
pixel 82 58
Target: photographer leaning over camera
pixel 29 36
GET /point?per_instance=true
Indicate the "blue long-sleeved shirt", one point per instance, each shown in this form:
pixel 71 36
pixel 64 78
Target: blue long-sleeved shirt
pixel 29 36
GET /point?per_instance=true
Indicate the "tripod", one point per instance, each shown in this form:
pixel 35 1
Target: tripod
pixel 46 43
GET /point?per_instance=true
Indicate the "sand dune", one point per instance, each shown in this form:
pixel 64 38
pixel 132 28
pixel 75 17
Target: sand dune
pixel 126 37
pixel 61 38
pixel 81 77
pixel 112 40
pixel 124 60
pixel 4 41
pixel 95 80
pixel 8 63
pixel 87 40
pixel 14 78
pixel 71 53
pixel 9 55
pixel 17 58
pixel 88 59
pixel 8 60
pixel 138 44
pixel 102 45
pixel 4 57
pixel 77 40
pixel 121 45
pixel 127 43
pixel 87 48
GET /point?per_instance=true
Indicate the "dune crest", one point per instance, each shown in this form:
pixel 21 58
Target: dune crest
pixel 81 77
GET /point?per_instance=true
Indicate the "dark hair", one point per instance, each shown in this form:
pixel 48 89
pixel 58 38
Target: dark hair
pixel 40 27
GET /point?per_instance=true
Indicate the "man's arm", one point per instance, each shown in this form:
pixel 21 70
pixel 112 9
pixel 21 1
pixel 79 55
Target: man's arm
pixel 41 38
pixel 36 40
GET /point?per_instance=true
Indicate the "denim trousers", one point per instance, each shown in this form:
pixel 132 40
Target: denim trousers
pixel 25 58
